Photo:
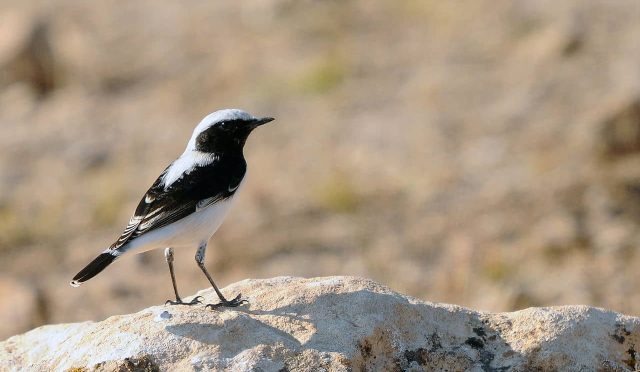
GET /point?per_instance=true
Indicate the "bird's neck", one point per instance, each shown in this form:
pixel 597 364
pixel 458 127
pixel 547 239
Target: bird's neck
pixel 227 154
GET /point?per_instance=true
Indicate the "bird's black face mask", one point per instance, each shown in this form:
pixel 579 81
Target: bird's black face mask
pixel 227 136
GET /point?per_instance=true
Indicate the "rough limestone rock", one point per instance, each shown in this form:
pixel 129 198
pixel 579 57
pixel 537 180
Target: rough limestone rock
pixel 336 324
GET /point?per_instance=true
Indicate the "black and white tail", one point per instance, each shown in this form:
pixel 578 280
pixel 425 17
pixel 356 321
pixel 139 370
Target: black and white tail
pixel 93 268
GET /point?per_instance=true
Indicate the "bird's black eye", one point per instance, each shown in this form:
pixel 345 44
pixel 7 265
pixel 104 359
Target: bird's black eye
pixel 202 139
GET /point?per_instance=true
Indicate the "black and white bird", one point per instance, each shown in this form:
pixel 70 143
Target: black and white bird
pixel 188 202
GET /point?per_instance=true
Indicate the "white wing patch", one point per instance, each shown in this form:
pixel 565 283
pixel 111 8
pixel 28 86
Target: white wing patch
pixel 149 222
pixel 132 223
pixel 153 213
pixel 184 165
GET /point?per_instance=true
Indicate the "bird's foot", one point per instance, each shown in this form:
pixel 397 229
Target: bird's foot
pixel 233 303
pixel 196 300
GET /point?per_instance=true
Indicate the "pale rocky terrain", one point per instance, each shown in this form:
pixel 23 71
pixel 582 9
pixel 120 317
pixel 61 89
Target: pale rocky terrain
pixel 482 153
pixel 332 324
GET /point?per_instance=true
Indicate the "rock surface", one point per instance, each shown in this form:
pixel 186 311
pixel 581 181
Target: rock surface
pixel 334 323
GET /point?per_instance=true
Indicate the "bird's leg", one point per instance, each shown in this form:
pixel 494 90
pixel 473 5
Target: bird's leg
pixel 237 301
pixel 168 255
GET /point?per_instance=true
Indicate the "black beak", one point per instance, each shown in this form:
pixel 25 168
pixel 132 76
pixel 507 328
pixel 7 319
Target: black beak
pixel 259 122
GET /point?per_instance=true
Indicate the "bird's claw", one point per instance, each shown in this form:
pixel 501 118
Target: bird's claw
pixel 195 301
pixel 233 303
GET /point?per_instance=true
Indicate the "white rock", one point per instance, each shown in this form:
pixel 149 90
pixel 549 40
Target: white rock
pixel 332 324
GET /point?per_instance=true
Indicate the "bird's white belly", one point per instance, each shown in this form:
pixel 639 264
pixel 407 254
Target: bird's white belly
pixel 190 231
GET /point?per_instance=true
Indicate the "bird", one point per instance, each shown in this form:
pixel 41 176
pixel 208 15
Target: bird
pixel 188 202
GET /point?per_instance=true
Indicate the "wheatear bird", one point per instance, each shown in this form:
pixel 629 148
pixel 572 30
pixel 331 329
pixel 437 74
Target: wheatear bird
pixel 187 203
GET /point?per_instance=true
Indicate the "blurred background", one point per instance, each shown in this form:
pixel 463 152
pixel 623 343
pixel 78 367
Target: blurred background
pixel 481 153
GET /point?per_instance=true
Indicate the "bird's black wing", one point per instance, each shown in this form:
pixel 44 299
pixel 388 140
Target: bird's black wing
pixel 195 189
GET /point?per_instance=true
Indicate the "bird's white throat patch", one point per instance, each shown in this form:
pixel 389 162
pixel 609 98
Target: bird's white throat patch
pixel 184 165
